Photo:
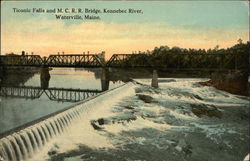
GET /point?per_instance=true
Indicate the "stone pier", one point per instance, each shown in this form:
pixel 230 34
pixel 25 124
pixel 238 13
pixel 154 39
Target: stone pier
pixel 105 79
pixel 154 82
pixel 44 77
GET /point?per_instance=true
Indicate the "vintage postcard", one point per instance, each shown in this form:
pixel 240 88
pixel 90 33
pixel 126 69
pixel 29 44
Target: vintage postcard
pixel 124 80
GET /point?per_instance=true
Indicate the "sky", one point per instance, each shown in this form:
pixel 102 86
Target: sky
pixel 187 24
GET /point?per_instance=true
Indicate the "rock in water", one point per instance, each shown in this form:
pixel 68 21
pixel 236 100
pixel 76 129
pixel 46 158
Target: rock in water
pixel 52 152
pixel 145 98
pixel 202 109
pixel 96 127
pixel 129 107
pixel 101 121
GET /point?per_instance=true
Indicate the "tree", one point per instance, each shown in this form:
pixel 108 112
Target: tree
pixel 240 41
pixel 216 47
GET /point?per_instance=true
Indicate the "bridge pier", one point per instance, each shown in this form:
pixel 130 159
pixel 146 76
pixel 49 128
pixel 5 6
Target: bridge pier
pixel 105 79
pixel 44 77
pixel 154 82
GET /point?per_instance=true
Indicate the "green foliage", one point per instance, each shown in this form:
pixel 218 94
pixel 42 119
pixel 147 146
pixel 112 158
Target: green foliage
pixel 235 57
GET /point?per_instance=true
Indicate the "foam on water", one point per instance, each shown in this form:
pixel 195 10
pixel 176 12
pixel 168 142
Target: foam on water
pixel 169 112
pixel 139 123
pixel 81 131
pixel 184 89
pixel 124 114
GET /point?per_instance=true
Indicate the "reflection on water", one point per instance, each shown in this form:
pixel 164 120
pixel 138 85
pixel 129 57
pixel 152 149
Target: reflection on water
pixel 28 97
pixel 44 78
pixel 54 94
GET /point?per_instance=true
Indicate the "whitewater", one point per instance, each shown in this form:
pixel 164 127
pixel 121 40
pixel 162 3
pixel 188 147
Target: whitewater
pixel 179 121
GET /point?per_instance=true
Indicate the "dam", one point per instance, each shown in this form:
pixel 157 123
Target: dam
pixel 46 101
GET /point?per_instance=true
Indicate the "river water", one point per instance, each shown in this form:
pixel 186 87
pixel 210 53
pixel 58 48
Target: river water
pixel 167 127
pixel 21 108
pixel 179 121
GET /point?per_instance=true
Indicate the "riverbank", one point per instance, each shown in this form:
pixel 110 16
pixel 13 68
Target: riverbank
pixel 238 88
pixel 128 74
pixel 8 75
pixel 235 82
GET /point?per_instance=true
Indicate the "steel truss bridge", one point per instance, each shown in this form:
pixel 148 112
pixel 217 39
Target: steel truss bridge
pixel 170 61
pixel 73 60
pixel 54 94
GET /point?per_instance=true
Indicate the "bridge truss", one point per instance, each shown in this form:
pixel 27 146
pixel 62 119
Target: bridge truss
pixel 21 60
pixel 163 61
pixel 72 60
pixel 129 60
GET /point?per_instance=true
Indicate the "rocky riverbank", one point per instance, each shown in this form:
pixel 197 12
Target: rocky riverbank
pixel 235 82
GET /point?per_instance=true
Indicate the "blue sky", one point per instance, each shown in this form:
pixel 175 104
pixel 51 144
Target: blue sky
pixel 206 14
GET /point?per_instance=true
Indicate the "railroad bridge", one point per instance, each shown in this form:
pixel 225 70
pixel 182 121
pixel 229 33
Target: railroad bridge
pixel 69 60
pixel 168 61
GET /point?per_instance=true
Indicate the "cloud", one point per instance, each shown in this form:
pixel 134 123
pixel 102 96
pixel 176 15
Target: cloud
pixel 46 37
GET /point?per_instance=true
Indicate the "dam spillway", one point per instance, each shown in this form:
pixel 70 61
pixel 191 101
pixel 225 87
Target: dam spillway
pixel 32 115
pixel 25 143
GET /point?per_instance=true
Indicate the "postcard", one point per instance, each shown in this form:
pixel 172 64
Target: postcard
pixel 124 80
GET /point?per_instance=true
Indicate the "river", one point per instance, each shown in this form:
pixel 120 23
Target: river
pixel 19 109
pixel 181 120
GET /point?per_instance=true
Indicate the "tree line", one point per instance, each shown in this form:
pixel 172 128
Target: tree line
pixel 235 57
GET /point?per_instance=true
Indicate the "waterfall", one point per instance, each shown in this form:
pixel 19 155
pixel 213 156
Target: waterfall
pixel 23 144
pixel 19 141
pixel 27 144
